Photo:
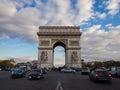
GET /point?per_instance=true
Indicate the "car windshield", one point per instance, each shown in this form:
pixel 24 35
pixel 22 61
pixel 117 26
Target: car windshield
pixel 84 68
pixel 17 71
pixel 36 71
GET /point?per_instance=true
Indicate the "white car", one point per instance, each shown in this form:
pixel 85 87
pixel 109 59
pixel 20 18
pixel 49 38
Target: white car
pixel 68 70
pixel 85 70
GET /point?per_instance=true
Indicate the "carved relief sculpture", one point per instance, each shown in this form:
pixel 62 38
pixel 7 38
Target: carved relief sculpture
pixel 44 56
pixel 74 56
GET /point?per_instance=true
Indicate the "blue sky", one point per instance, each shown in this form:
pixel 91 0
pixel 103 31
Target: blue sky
pixel 99 22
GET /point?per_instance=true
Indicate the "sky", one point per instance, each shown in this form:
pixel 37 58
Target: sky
pixel 99 22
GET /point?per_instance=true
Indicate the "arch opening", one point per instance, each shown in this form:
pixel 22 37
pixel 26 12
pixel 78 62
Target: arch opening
pixel 59 54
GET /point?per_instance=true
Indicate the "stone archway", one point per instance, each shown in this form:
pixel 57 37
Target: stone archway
pixel 67 36
pixel 59 43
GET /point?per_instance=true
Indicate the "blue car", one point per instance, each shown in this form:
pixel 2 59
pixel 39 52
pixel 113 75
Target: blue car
pixel 17 73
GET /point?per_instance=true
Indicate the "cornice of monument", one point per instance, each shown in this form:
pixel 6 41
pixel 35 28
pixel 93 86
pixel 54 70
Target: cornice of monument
pixel 59 30
pixel 58 34
pixel 59 27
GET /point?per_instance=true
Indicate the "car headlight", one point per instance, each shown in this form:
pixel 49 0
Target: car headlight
pixel 30 77
pixel 38 77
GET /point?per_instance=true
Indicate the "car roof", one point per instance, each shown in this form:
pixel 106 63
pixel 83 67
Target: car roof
pixel 84 68
pixel 16 69
pixel 36 69
pixel 100 70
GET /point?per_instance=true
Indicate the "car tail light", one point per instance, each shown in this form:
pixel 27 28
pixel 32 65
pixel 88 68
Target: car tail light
pixel 109 75
pixel 96 75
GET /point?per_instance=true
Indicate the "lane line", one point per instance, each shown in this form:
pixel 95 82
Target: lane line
pixel 59 86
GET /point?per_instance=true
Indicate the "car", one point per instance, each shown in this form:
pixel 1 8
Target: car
pixel 104 68
pixel 100 75
pixel 76 69
pixel 115 71
pixel 85 70
pixel 68 70
pixel 118 71
pixel 17 73
pixel 35 74
pixel 44 70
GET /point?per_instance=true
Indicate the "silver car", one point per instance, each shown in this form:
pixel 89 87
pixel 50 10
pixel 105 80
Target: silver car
pixel 85 70
pixel 68 70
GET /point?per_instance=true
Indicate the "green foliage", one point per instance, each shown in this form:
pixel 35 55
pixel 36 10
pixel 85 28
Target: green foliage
pixel 98 64
pixel 6 63
pixel 33 66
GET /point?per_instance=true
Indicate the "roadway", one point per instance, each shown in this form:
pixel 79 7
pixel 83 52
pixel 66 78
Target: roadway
pixel 56 81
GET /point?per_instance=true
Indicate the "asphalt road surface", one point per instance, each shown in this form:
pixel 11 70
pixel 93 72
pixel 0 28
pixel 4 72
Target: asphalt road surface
pixel 56 81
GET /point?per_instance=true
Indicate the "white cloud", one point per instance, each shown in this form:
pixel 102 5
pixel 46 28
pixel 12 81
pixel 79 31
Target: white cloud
pixel 22 24
pixel 93 29
pixel 7 9
pixel 22 59
pixel 27 16
pixel 101 15
pixel 113 6
pixel 108 25
pixel 101 44
pixel 85 8
pixel 18 21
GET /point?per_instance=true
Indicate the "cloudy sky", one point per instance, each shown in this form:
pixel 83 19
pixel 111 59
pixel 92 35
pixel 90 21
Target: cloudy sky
pixel 99 22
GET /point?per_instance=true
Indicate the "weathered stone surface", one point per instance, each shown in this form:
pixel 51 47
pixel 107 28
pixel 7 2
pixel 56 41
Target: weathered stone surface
pixel 66 36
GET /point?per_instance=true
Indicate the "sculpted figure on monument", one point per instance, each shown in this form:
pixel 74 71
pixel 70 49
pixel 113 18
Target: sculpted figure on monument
pixel 74 56
pixel 44 56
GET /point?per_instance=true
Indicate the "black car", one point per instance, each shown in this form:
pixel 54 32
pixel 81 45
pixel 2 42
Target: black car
pixel 44 70
pixel 100 75
pixel 17 73
pixel 35 74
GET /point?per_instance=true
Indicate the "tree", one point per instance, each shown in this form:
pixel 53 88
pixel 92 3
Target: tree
pixel 84 64
pixel 6 63
pixel 98 64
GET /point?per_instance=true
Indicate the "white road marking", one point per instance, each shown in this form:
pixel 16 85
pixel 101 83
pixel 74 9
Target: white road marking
pixel 59 86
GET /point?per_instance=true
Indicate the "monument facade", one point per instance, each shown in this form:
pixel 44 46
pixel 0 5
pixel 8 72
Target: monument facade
pixel 65 36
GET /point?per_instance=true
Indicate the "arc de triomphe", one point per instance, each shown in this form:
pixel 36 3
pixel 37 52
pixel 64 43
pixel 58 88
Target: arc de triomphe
pixel 52 36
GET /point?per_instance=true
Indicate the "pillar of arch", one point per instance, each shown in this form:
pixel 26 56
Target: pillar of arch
pixel 66 36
